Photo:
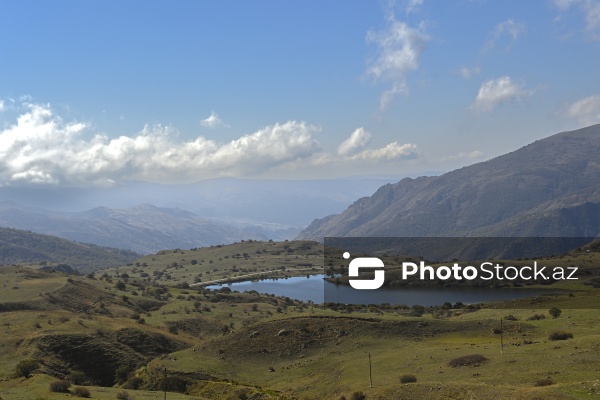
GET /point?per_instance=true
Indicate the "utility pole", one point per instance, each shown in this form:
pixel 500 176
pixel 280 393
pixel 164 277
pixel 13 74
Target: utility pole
pixel 165 382
pixel 501 338
pixel 370 374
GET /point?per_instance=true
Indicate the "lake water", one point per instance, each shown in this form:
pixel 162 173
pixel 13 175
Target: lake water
pixel 314 287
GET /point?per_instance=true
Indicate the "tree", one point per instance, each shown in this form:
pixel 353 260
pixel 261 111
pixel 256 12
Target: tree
pixel 26 367
pixel 555 312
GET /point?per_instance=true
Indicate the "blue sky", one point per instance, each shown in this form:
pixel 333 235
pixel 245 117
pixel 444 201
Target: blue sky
pixel 102 92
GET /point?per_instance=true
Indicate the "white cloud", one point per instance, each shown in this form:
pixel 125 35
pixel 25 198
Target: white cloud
pixel 392 151
pixel 399 52
pixel 586 110
pixel 467 72
pixel 465 155
pixel 510 28
pixel 41 148
pixel 494 92
pixel 357 140
pixel 213 121
pixel 349 149
pixel 1 105
pixel 590 9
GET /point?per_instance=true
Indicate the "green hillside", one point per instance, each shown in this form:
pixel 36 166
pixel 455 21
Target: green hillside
pixel 18 247
pixel 141 332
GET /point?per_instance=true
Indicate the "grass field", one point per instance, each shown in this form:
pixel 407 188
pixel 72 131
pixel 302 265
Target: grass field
pixel 141 327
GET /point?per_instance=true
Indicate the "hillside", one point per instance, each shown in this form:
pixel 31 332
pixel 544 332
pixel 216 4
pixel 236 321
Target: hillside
pixel 125 334
pixel 144 228
pixel 18 246
pixel 548 188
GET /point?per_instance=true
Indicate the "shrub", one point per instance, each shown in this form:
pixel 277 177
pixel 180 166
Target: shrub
pixel 77 377
pixel 408 378
pixel 555 312
pixel 466 361
pixel 26 367
pixel 61 386
pixel 417 311
pixel 81 392
pixel 358 396
pixel 560 335
pixel 544 382
pixel 133 383
pixel 124 395
pixel 122 373
pixel 536 317
pixel 511 317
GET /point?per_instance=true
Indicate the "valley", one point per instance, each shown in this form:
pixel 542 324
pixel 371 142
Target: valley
pixel 118 330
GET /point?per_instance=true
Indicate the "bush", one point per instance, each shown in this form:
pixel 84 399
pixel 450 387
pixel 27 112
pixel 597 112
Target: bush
pixel 511 317
pixel 26 367
pixel 77 377
pixel 555 312
pixel 560 335
pixel 124 395
pixel 536 317
pixel 81 392
pixel 417 311
pixel 133 383
pixel 544 382
pixel 408 378
pixel 467 361
pixel 61 386
pixel 358 396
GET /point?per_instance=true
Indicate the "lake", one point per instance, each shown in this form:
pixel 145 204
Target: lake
pixel 313 288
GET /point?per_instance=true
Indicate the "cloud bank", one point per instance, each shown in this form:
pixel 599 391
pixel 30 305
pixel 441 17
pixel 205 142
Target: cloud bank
pixel 41 148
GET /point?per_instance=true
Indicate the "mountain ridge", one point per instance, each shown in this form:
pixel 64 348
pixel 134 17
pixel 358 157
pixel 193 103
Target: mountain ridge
pixel 20 246
pixel 143 228
pixel 560 171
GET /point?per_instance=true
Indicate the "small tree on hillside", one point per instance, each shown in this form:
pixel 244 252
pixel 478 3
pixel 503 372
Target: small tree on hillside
pixel 26 367
pixel 555 312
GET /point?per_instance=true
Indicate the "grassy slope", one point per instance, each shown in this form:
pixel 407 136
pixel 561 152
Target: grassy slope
pixel 300 350
pixel 218 262
pixel 18 246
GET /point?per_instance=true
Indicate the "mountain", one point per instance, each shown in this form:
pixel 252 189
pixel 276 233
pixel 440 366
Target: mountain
pixel 548 188
pixel 18 246
pixel 267 204
pixel 144 228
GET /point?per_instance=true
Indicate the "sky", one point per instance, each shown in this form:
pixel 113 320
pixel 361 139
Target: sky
pixel 106 92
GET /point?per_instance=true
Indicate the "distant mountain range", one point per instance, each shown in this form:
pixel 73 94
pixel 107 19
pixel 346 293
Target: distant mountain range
pixel 148 217
pixel 264 202
pixel 144 229
pixel 19 246
pixel 548 188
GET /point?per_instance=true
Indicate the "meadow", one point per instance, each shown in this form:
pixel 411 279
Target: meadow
pixel 141 328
